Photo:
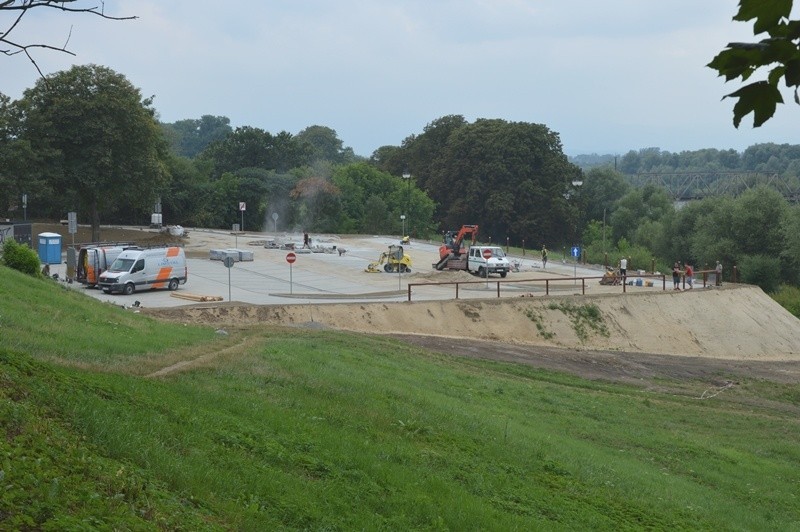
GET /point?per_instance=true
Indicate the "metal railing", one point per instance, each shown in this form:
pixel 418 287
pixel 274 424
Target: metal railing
pixel 498 282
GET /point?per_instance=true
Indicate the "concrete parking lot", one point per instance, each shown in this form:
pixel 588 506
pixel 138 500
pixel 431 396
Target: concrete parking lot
pixel 323 275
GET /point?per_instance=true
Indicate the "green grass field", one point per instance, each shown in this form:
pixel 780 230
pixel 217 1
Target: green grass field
pixel 283 428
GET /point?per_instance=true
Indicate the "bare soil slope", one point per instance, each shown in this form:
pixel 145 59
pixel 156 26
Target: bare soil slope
pixel 735 323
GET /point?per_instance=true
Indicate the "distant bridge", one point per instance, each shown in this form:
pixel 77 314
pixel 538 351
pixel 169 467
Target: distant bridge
pixel 687 186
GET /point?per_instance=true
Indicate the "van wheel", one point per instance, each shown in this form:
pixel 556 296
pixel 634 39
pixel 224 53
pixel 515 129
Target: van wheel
pixel 106 290
pixel 482 272
pixel 173 284
pixel 128 289
pixel 503 274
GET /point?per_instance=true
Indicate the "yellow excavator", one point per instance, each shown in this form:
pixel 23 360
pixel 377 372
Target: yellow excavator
pixel 391 261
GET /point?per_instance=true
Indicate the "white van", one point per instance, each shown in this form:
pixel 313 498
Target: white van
pixel 497 262
pixel 143 269
pixel 94 260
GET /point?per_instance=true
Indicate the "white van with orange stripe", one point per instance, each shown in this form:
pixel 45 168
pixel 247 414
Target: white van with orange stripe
pixel 143 269
pixel 94 260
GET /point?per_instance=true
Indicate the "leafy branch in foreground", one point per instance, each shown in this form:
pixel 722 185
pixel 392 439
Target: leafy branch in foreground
pixel 779 53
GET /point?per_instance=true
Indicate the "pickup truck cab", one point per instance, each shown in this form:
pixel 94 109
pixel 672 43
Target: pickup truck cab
pixel 481 266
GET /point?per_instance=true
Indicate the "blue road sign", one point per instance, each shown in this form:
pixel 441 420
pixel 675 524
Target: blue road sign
pixel 576 251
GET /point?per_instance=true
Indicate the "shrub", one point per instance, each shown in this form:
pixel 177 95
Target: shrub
pixel 20 257
pixel 789 298
pixel 761 270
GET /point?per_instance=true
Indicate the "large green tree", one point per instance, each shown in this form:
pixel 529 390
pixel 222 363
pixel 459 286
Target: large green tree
pixel 251 147
pixel 189 137
pixel 734 230
pixel 420 152
pixel 325 145
pixel 790 227
pixel 373 201
pixel 641 205
pixel 511 178
pixel 778 53
pixel 601 188
pixel 103 146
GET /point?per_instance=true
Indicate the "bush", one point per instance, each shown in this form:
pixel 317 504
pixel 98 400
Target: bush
pixel 761 270
pixel 20 257
pixel 639 258
pixel 788 297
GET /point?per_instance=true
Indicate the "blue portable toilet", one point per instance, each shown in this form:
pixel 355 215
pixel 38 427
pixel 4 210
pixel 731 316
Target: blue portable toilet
pixel 50 248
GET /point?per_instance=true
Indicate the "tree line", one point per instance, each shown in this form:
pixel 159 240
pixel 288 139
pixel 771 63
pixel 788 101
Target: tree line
pixel 86 140
pixel 756 232
pixel 769 158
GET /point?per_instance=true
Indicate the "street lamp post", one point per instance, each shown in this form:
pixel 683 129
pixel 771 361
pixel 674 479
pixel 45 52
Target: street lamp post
pixel 407 177
pixel 577 183
pixel 403 218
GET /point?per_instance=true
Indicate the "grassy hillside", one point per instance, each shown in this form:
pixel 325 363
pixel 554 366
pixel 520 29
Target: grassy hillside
pixel 289 428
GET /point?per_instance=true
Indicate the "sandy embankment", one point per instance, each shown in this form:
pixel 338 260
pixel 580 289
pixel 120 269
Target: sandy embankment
pixel 738 323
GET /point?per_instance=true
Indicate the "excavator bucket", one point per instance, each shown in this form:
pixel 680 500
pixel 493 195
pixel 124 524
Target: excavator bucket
pixel 373 267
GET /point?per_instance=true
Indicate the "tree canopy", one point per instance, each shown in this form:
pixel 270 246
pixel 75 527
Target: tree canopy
pixel 325 145
pixel 191 136
pixel 511 178
pixel 252 147
pixel 96 140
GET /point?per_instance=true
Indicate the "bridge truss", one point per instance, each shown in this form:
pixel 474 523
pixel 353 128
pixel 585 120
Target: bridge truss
pixel 686 186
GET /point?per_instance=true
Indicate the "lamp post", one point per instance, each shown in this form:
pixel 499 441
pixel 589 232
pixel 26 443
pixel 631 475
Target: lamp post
pixel 577 250
pixel 403 219
pixel 407 177
pixel 577 183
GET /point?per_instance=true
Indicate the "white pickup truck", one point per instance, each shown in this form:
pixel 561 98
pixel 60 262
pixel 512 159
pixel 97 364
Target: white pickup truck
pixel 483 260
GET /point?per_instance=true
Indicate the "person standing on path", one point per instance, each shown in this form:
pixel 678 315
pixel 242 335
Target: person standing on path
pixel 676 276
pixel 623 268
pixel 544 256
pixel 690 276
pixel 718 274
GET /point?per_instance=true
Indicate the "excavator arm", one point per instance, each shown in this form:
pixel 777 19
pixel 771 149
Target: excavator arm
pixel 451 252
pixel 452 243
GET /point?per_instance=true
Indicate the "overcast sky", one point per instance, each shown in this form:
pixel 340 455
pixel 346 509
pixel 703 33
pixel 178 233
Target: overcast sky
pixel 607 76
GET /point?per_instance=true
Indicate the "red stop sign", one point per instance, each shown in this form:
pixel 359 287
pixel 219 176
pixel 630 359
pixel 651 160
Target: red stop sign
pixel 291 257
pixel 487 253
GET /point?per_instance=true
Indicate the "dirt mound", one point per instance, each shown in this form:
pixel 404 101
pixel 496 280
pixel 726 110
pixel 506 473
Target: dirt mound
pixel 737 323
pixel 446 276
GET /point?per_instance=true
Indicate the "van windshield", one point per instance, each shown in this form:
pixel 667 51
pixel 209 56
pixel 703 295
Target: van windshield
pixel 498 253
pixel 121 265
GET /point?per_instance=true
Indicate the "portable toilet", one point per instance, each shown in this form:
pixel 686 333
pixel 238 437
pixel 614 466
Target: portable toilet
pixel 50 248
